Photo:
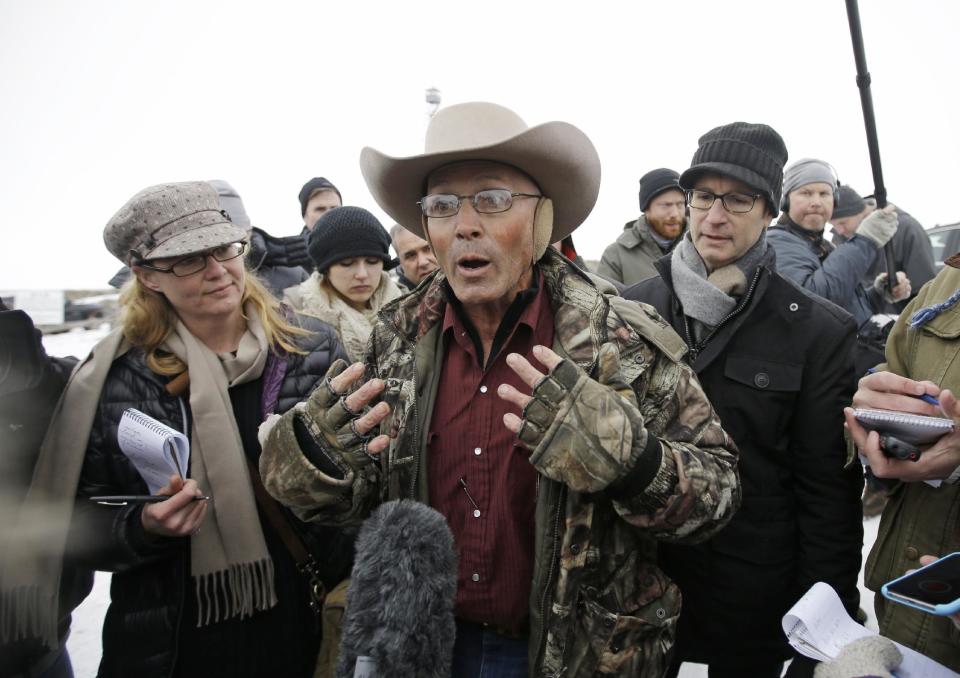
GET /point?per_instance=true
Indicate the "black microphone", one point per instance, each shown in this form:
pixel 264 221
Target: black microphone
pixel 399 617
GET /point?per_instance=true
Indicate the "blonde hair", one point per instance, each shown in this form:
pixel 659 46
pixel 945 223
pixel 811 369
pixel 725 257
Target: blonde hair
pixel 148 318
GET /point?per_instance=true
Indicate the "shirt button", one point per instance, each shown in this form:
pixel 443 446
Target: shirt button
pixel 475 577
pixel 483 389
pixel 794 306
pixel 476 513
pixel 476 451
pixel 912 553
pixel 762 380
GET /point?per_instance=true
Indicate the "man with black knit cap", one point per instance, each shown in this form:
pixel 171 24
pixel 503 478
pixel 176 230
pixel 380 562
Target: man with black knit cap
pixel 317 197
pixel 912 252
pixel 630 258
pixel 775 360
pixel 810 191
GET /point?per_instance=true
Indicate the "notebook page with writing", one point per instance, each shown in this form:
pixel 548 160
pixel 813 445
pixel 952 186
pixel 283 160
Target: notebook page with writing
pixel 156 450
pixel 818 627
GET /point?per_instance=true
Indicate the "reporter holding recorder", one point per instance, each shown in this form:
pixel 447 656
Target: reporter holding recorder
pixel 200 587
pixel 921 358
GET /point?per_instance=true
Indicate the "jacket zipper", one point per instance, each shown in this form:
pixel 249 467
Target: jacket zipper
pixel 553 561
pixel 696 350
pixel 413 409
pixel 554 555
pixel 416 433
pixel 185 587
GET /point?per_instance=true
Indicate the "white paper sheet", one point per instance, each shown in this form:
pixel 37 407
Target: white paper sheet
pixel 156 450
pixel 817 626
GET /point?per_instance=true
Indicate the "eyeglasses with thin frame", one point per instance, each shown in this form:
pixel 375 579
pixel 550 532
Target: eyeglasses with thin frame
pixel 737 203
pixel 194 263
pixel 489 201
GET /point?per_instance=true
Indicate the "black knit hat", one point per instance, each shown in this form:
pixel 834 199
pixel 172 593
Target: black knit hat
pixel 753 153
pixel 655 182
pixel 348 232
pixel 849 203
pixel 315 184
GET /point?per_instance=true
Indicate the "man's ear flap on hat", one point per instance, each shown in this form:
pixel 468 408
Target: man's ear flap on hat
pixel 542 227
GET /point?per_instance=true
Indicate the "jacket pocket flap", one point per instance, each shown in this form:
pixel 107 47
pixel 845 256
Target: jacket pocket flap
pixel 946 325
pixel 764 374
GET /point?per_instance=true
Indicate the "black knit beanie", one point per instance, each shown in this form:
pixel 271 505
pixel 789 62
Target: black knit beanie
pixel 655 182
pixel 348 232
pixel 848 204
pixel 315 184
pixel 753 153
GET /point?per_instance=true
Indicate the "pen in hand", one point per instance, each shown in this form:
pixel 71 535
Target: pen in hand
pixel 925 397
pixel 124 499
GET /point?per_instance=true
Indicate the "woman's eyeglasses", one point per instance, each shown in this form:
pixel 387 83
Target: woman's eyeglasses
pixel 195 263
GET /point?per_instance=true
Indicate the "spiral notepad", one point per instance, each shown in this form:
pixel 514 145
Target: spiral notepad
pixel 156 450
pixel 910 428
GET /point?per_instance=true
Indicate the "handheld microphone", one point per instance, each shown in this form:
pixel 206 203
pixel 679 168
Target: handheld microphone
pixel 399 616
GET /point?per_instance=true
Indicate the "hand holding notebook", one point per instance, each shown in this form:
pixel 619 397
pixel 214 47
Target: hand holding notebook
pixel 155 449
pixel 911 428
pixel 939 459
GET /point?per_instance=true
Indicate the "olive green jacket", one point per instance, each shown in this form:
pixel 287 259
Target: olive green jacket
pixel 598 601
pixel 920 519
pixel 631 257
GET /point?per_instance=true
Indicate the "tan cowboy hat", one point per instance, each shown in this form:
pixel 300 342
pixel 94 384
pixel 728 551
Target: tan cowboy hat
pixel 556 155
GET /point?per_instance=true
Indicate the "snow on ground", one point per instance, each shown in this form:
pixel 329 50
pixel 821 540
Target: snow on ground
pixel 84 642
pixel 77 342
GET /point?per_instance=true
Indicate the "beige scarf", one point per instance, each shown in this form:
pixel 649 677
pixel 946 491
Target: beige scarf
pixel 228 556
pixel 229 559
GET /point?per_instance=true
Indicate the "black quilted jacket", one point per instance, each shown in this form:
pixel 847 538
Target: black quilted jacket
pixel 142 628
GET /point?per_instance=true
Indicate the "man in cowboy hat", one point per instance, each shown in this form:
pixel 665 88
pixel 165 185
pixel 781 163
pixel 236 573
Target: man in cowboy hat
pixel 557 430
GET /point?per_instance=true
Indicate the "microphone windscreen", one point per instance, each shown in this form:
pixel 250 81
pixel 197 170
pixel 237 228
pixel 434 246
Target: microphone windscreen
pixel 401 596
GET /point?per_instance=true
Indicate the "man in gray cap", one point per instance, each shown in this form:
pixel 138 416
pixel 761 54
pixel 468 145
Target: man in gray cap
pixel 557 429
pixel 912 252
pixel 776 362
pixel 630 258
pixel 810 189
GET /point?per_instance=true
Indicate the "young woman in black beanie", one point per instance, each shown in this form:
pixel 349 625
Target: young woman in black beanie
pixel 350 249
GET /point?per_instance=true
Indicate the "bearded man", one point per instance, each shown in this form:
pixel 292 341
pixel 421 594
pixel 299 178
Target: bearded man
pixel 631 257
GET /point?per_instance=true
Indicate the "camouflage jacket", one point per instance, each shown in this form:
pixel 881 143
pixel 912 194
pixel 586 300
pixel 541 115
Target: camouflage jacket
pixel 598 602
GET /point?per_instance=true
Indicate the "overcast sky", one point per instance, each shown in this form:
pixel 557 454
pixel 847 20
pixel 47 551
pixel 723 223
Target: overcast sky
pixel 101 99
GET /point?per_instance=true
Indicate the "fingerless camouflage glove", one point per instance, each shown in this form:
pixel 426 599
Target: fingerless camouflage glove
pixel 313 456
pixel 588 434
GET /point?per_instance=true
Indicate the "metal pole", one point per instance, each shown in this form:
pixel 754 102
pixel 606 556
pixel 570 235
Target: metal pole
pixel 870 122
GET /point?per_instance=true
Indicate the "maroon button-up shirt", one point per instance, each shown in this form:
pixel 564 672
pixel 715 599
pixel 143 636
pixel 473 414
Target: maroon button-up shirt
pixel 477 474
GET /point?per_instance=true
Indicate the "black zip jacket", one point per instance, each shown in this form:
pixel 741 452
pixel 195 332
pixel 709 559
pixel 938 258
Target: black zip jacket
pixel 779 371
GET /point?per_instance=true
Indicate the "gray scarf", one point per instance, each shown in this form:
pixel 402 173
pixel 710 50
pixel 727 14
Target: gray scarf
pixel 708 299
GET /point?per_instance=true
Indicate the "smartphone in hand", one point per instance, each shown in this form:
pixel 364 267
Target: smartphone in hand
pixel 934 588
